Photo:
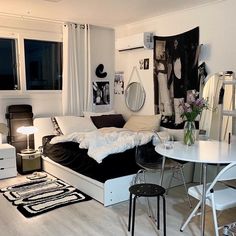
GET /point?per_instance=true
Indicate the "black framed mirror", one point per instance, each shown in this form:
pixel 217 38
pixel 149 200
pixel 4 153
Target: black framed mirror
pixel 135 96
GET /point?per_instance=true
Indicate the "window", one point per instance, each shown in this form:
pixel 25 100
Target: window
pixel 30 62
pixel 8 66
pixel 43 65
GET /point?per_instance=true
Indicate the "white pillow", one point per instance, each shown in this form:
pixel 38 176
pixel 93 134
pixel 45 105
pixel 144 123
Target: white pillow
pixel 45 127
pixel 70 124
pixel 87 114
pixel 143 122
pixel 178 134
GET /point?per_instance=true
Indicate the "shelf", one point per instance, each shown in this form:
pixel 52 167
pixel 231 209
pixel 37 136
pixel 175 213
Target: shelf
pixel 228 79
pixel 229 82
pixel 229 113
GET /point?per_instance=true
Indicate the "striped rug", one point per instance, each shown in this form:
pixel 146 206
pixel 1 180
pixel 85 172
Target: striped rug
pixel 39 196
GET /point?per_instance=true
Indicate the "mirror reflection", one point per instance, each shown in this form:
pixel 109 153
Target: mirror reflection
pixel 219 97
pixel 135 96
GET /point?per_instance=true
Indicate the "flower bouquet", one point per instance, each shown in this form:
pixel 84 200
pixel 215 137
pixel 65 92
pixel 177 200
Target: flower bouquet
pixel 190 110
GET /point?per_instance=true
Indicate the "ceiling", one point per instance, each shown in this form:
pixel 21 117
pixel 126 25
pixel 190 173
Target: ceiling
pixel 110 13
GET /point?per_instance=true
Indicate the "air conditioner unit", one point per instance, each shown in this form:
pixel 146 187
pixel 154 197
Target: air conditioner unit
pixel 136 41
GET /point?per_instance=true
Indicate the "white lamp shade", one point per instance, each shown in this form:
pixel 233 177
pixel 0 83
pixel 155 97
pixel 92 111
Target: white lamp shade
pixel 27 130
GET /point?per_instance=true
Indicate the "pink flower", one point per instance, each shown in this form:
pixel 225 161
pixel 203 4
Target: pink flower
pixel 193 107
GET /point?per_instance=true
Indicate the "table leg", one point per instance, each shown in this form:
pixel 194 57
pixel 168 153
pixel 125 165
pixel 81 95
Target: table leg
pixel 203 210
pixel 201 203
pixel 200 179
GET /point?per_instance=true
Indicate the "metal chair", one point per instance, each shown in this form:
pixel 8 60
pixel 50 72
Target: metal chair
pixel 150 161
pixel 220 195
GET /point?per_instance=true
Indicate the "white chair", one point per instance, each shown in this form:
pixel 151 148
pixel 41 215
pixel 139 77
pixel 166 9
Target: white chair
pixel 219 196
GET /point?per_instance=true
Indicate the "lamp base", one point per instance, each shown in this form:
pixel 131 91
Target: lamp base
pixel 28 151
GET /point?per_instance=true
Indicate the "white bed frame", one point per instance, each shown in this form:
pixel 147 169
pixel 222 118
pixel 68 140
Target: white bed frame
pixel 108 193
pixel 112 191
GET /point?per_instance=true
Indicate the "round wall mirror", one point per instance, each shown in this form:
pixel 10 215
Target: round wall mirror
pixel 135 96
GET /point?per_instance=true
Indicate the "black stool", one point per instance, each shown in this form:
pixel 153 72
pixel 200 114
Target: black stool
pixel 147 190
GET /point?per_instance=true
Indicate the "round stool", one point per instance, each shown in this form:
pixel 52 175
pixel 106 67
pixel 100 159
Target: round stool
pixel 146 190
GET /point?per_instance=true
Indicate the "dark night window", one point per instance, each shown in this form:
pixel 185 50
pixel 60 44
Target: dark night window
pixel 43 65
pixel 8 67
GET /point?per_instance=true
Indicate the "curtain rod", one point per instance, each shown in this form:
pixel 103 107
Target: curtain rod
pixel 32 18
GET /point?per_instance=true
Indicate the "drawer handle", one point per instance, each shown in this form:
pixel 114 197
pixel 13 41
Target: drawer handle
pixel 2 168
pixel 1 158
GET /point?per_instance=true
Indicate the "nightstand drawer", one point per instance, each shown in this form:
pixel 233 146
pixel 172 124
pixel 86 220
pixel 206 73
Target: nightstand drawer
pixel 7 172
pixel 7 162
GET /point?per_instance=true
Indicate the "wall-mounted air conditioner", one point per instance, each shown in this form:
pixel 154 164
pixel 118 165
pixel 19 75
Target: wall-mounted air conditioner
pixel 136 41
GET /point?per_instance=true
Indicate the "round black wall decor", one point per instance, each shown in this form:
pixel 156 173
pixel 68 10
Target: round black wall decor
pixel 99 71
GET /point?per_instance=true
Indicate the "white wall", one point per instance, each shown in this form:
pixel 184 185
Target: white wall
pixel 49 103
pixel 217 34
pixel 102 52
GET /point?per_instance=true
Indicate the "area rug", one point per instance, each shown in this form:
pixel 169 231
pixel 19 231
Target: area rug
pixel 39 196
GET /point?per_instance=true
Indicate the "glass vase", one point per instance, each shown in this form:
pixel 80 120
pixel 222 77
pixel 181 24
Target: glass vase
pixel 189 133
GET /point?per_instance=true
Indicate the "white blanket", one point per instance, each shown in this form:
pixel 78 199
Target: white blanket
pixel 103 142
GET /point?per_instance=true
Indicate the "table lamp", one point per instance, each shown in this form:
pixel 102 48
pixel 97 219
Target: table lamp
pixel 27 130
pixel 3 130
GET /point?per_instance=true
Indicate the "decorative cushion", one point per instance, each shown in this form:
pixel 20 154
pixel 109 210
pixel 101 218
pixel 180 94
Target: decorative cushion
pixel 113 120
pixel 143 122
pixel 45 127
pixel 88 114
pixel 70 124
pixel 56 128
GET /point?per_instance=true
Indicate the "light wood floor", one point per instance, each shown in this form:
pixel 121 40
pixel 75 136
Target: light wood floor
pixel 92 219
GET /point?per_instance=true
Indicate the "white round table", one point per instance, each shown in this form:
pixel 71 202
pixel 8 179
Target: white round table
pixel 205 152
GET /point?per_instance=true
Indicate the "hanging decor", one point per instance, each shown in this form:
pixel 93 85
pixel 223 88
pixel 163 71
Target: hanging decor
pixel 99 71
pixel 119 83
pixel 101 93
pixel 175 73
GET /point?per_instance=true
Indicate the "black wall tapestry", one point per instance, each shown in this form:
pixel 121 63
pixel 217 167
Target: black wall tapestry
pixel 175 73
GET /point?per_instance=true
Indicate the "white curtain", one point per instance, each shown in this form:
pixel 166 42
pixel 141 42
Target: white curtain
pixel 76 86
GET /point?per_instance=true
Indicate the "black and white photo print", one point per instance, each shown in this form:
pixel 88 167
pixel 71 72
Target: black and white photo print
pixel 146 64
pixel 101 93
pixel 119 82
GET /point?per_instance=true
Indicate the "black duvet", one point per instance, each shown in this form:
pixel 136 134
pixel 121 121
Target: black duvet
pixel 70 155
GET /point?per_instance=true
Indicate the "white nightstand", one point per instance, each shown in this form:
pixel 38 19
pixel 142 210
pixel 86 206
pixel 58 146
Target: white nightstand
pixel 7 161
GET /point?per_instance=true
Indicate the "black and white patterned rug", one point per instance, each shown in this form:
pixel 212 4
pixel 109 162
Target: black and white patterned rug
pixel 39 196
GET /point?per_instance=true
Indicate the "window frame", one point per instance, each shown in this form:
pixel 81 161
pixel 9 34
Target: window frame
pixel 20 60
pixel 15 36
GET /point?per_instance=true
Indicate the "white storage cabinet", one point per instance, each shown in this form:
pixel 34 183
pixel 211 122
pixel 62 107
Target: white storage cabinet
pixel 7 161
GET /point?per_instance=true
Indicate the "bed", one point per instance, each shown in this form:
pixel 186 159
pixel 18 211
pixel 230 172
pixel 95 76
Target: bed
pixel 109 188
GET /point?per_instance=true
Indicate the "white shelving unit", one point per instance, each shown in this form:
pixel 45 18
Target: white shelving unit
pixel 229 80
pixel 228 112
